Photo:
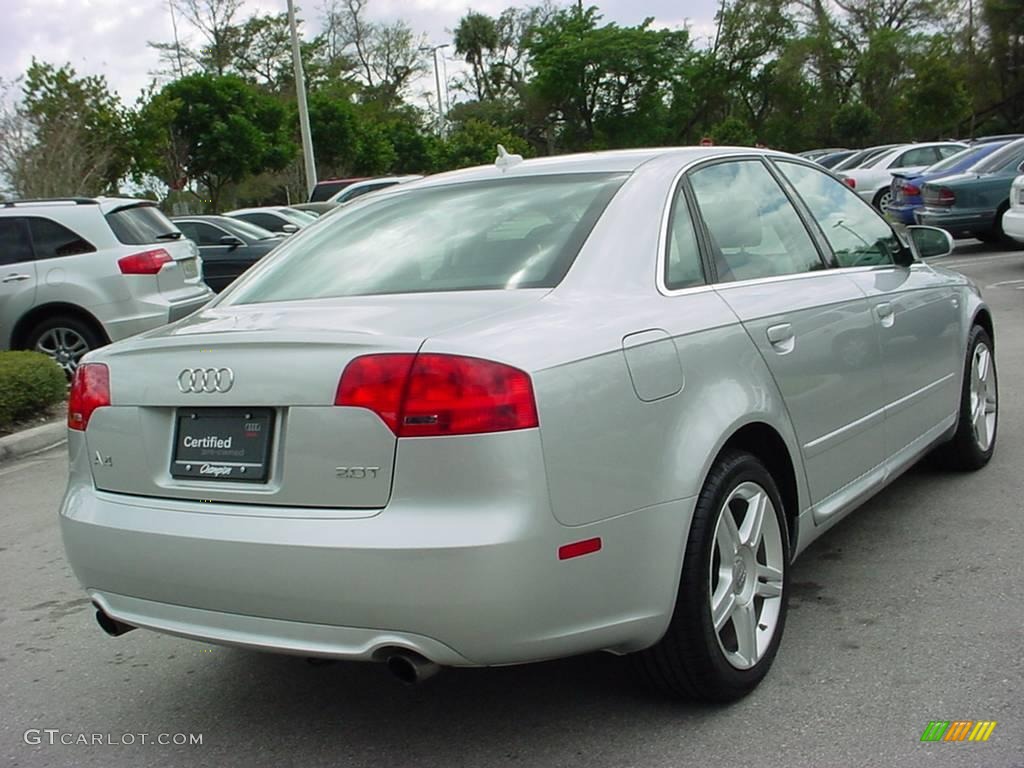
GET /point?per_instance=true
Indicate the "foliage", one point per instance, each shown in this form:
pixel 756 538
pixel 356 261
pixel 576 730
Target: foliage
pixel 475 143
pixel 212 130
pixel 66 137
pixel 29 383
pixel 733 132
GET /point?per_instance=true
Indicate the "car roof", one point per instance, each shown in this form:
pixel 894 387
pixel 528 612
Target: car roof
pixel 258 209
pixel 212 218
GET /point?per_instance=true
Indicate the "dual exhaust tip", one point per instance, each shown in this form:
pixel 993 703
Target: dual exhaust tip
pixel 409 667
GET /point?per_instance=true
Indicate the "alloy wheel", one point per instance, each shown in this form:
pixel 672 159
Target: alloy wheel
pixel 64 345
pixel 746 576
pixel 983 397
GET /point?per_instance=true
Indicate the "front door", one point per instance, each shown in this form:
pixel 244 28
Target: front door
pixel 812 326
pixel 17 275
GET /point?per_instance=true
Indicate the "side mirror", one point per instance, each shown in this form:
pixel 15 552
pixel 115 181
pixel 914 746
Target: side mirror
pixel 290 229
pixel 232 241
pixel 929 242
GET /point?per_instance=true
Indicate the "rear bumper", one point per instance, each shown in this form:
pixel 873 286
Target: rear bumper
pixel 1013 224
pixel 957 223
pixel 461 586
pixel 901 214
pixel 139 316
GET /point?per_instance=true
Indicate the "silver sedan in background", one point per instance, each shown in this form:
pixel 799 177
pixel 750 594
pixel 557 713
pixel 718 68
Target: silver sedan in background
pixel 525 411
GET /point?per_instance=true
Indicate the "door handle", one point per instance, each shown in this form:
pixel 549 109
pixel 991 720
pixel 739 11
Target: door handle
pixel 886 313
pixel 781 338
pixel 15 278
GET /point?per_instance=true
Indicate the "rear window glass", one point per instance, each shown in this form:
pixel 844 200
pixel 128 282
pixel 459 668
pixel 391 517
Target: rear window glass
pixel 999 160
pixel 325 189
pixel 140 225
pixel 510 233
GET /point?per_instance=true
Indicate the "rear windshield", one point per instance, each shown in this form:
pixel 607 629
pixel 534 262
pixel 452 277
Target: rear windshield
pixel 325 189
pixel 1011 154
pixel 140 225
pixel 510 233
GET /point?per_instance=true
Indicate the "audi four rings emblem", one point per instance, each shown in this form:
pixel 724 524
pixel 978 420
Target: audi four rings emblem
pixel 208 380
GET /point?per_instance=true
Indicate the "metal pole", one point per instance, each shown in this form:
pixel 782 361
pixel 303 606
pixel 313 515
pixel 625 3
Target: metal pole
pixel 440 102
pixel 300 92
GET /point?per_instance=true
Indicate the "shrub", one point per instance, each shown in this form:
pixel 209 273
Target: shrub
pixel 29 383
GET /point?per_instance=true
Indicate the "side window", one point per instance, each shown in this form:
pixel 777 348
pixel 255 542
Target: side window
pixel 682 263
pixel 858 235
pixel 188 229
pixel 945 152
pixel 264 220
pixel 52 240
pixel 916 156
pixel 755 230
pixel 15 247
pixel 208 234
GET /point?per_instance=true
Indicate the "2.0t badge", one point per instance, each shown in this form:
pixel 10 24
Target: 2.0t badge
pixel 207 380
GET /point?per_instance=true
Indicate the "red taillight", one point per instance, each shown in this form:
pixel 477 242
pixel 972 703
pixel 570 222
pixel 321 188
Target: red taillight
pixel 851 183
pixel 428 395
pixel 90 389
pixel 911 189
pixel 145 263
pixel 946 196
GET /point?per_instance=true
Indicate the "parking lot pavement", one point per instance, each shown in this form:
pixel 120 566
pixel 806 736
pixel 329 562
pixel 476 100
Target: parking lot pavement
pixel 909 611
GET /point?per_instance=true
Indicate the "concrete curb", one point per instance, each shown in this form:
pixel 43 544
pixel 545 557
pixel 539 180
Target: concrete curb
pixel 32 440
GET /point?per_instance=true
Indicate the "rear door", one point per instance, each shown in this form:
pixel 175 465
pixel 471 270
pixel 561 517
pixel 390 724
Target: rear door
pixel 812 326
pixel 17 275
pixel 915 309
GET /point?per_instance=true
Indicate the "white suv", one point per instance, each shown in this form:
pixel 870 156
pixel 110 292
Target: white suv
pixel 78 273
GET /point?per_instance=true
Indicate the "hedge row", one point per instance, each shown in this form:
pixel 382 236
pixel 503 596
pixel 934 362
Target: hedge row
pixel 30 382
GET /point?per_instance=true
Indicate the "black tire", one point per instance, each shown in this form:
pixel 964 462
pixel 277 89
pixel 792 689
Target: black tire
pixel 689 661
pixel 39 339
pixel 962 452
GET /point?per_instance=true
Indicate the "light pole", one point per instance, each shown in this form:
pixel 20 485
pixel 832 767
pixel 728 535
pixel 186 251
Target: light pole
pixel 437 81
pixel 300 93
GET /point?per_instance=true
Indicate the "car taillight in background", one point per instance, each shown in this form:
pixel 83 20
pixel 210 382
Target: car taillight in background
pixel 940 196
pixel 851 183
pixel 144 263
pixel 911 189
pixel 429 395
pixel 90 389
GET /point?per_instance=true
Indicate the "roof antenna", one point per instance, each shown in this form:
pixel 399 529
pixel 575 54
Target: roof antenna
pixel 505 161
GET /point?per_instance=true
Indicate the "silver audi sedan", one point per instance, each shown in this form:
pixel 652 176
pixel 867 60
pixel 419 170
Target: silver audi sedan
pixel 525 411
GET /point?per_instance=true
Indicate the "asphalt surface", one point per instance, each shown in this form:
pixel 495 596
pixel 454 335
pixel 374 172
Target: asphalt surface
pixel 908 611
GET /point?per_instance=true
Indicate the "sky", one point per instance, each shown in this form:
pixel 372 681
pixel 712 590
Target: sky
pixel 109 37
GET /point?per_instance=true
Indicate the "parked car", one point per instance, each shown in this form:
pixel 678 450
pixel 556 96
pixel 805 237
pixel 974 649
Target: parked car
pixel 834 159
pixel 78 273
pixel 522 412
pixel 1001 138
pixel 816 154
pixel 358 189
pixel 228 246
pixel 859 158
pixel 873 179
pixel 905 190
pixel 328 187
pixel 286 221
pixel 1013 218
pixel 972 204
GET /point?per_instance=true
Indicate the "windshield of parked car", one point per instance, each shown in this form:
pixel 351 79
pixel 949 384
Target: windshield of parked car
pixel 492 235
pixel 1010 155
pixel 246 229
pixel 962 159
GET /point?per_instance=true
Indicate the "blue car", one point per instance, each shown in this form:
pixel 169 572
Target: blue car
pixel 906 189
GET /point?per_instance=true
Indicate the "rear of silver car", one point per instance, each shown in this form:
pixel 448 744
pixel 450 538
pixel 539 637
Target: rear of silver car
pixel 162 273
pixel 300 467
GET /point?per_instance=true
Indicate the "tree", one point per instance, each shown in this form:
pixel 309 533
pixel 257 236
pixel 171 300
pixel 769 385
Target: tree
pixel 733 132
pixel 387 57
pixel 67 135
pixel 854 124
pixel 475 36
pixel 475 143
pixel 219 37
pixel 214 131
